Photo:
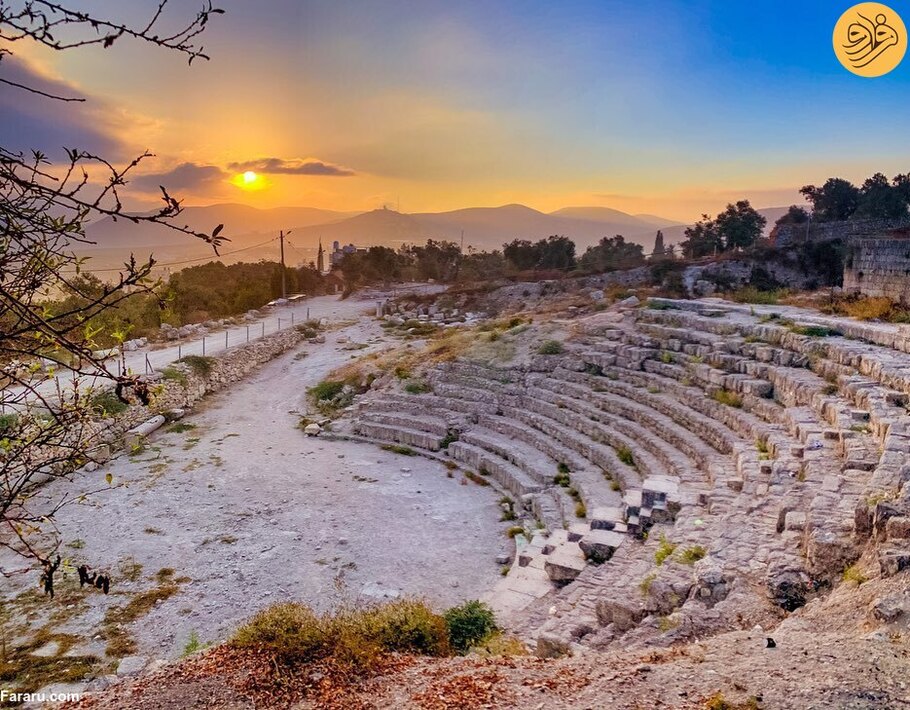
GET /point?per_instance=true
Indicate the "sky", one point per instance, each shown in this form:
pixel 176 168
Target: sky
pixel 647 106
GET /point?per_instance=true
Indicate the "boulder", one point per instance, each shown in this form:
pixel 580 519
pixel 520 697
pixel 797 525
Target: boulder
pixel 312 430
pixel 563 566
pixel 599 545
pixel 552 646
pixel 132 665
pixel 893 561
pixel 888 609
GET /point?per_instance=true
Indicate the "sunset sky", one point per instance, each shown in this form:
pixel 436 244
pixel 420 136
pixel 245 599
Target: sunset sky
pixel 669 108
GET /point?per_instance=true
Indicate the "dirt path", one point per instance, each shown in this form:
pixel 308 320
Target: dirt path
pixel 253 512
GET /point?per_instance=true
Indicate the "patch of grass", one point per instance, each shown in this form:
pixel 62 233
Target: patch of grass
pixel 693 554
pixel 664 549
pixel 192 645
pixel 119 641
pixel 656 306
pixel 350 638
pixel 402 373
pixel 399 449
pixel 615 486
pixel 130 569
pixel 665 624
pixel 76 544
pixel 580 510
pixel 416 387
pixel 653 389
pixel 761 446
pixel 751 294
pixel 173 374
pixel 814 331
pixel 152 531
pixel 515 530
pixel 624 454
pixel 829 390
pixel 450 437
pixel 645 584
pixel 562 468
pixel 550 347
pixel 180 427
pixel 199 364
pixel 326 390
pixel 106 404
pixel 854 574
pixel 730 399
pixel 473 477
pixel 666 357
pixel 23 672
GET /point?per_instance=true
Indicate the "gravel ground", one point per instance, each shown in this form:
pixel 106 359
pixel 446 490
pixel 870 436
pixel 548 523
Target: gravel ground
pixel 254 512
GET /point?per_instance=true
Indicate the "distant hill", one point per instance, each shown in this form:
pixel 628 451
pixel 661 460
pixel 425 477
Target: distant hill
pixel 483 227
pixel 242 224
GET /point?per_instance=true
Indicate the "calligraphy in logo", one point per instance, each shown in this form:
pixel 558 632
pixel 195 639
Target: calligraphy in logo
pixel 870 39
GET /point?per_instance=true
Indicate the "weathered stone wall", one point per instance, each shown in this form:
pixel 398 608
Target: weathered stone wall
pixel 785 235
pixel 879 267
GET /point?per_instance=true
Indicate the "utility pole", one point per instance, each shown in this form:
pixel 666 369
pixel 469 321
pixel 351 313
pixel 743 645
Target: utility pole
pixel 284 285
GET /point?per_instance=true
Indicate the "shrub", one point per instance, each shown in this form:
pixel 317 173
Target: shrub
pixel 731 399
pixel 200 364
pixel 292 633
pixel 814 331
pixel 645 584
pixel 666 357
pixel 580 510
pixel 664 550
pixel 192 645
pixel 693 554
pixel 446 441
pixel 624 454
pixel 854 574
pixel 562 468
pixel 869 308
pixel 615 486
pixel 469 624
pixel 515 530
pixel 173 374
pixel 550 347
pixel 562 479
pixel 416 387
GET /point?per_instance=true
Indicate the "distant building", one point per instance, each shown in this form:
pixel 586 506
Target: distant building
pixel 320 259
pixel 339 252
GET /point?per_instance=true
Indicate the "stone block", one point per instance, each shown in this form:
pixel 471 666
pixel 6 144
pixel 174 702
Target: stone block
pixel 897 528
pixel 893 561
pixel 599 545
pixel 563 566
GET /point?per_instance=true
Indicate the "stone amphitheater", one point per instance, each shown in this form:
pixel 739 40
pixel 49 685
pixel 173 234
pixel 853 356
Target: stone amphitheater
pixel 677 469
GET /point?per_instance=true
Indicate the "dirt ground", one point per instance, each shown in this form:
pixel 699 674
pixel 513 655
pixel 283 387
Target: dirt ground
pixel 246 511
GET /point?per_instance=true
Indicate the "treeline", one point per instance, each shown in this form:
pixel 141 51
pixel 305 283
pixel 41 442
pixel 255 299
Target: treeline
pixel 193 295
pixel 839 199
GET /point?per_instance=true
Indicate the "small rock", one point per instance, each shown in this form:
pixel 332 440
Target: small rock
pixel 131 665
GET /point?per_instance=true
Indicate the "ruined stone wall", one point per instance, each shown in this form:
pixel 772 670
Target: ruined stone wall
pixel 879 267
pixel 785 235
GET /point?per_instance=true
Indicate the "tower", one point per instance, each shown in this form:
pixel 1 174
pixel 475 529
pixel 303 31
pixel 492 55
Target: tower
pixel 320 258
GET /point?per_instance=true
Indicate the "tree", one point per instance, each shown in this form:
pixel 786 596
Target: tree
pixel 702 239
pixel 794 215
pixel 612 254
pixel 436 260
pixel 879 199
pixel 521 254
pixel 740 225
pixel 50 429
pixel 659 249
pixel 834 201
pixel 556 252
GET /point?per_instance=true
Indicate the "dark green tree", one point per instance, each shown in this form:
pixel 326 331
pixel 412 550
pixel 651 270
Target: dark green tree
pixel 740 225
pixel 612 254
pixel 880 199
pixel 702 239
pixel 834 201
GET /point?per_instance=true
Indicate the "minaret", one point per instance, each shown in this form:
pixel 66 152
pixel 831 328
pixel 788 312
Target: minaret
pixel 320 258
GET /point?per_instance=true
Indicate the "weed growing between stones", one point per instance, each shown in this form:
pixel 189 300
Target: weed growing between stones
pixel 473 477
pixel 399 449
pixel 550 347
pixel 199 364
pixel 855 575
pixel 730 399
pixel 693 554
pixel 664 550
pixel 624 454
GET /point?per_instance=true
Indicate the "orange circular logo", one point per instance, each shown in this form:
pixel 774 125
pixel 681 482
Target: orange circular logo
pixel 870 39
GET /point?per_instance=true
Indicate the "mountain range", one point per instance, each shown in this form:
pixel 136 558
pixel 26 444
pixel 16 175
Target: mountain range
pixel 253 230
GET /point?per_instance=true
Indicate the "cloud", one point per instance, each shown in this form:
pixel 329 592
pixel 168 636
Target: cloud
pixel 33 122
pixel 186 176
pixel 297 166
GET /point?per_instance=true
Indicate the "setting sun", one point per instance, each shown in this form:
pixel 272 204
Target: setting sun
pixel 249 180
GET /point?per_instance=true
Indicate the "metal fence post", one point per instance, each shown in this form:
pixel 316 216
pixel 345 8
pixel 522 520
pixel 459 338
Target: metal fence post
pixel 226 339
pixel 203 346
pixel 307 312
pixel 292 317
pixel 179 350
pixel 248 334
pixel 279 324
pixel 148 365
pixel 263 329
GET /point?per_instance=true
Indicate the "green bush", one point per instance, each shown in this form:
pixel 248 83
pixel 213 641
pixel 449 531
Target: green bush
pixel 550 347
pixel 172 374
pixel 469 624
pixel 8 421
pixel 693 554
pixel 624 453
pixel 416 387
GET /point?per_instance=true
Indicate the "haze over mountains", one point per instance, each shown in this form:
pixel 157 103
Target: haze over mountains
pixel 482 227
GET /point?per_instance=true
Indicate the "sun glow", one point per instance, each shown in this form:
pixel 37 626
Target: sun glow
pixel 249 180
